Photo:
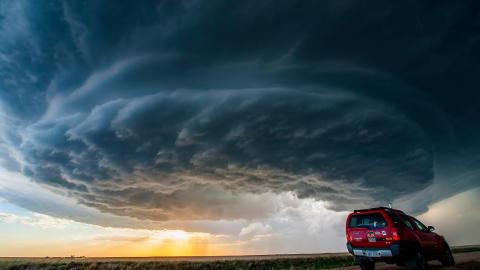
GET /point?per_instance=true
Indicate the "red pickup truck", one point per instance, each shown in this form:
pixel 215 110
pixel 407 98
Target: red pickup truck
pixel 389 235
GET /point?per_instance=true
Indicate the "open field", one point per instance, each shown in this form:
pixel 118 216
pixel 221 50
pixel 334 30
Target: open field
pixel 463 249
pixel 271 262
pixel 466 257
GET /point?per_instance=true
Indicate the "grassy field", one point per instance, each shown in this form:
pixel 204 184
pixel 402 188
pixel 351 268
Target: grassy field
pixel 464 249
pixel 270 262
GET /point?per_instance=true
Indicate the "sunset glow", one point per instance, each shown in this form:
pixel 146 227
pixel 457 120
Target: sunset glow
pixel 219 127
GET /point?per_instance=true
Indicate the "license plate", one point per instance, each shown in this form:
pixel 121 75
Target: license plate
pixel 372 254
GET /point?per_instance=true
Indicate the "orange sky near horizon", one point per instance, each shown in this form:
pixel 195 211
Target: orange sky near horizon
pixel 28 234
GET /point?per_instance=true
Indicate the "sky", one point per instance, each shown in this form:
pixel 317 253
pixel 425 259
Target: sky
pixel 233 127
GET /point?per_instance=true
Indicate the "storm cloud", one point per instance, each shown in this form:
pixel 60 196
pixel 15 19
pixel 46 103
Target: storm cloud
pixel 178 110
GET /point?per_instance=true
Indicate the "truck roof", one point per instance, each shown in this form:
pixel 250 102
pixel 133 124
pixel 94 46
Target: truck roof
pixel 377 208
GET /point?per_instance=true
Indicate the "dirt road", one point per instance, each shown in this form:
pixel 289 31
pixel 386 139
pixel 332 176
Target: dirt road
pixel 469 260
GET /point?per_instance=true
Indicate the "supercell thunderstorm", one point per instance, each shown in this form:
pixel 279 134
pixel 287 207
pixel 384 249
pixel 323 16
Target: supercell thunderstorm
pixel 160 112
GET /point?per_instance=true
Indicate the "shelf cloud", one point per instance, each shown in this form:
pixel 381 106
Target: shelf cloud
pixel 187 110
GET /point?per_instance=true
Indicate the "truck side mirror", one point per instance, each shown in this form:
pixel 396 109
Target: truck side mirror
pixel 431 228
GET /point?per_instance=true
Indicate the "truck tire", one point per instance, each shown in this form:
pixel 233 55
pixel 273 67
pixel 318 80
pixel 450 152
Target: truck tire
pixel 366 264
pixel 417 261
pixel 447 257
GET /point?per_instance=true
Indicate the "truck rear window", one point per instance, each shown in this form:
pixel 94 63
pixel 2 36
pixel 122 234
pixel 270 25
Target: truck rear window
pixel 368 221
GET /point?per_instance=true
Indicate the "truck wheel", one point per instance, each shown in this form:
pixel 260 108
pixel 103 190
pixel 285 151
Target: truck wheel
pixel 366 264
pixel 447 257
pixel 417 262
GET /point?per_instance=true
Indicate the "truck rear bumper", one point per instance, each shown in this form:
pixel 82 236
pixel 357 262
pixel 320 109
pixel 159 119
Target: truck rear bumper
pixel 392 251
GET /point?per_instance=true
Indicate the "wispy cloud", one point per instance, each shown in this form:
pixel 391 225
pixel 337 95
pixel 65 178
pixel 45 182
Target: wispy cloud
pixel 36 220
pixel 255 229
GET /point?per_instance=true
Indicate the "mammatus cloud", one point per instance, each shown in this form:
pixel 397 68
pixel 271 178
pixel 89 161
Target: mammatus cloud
pixel 169 115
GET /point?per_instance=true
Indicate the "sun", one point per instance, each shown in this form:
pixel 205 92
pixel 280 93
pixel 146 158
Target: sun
pixel 171 235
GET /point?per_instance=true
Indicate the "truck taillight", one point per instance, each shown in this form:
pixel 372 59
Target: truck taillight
pixel 395 236
pixel 348 238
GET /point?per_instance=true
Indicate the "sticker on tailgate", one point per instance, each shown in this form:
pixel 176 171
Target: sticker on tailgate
pixel 371 237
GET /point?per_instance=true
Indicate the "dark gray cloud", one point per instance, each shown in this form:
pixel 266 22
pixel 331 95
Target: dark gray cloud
pixel 168 151
pixel 174 109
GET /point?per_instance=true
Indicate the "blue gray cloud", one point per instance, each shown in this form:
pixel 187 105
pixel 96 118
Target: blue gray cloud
pixel 175 109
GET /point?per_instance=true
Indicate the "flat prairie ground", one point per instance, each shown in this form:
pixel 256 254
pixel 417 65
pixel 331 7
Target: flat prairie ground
pixel 466 258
